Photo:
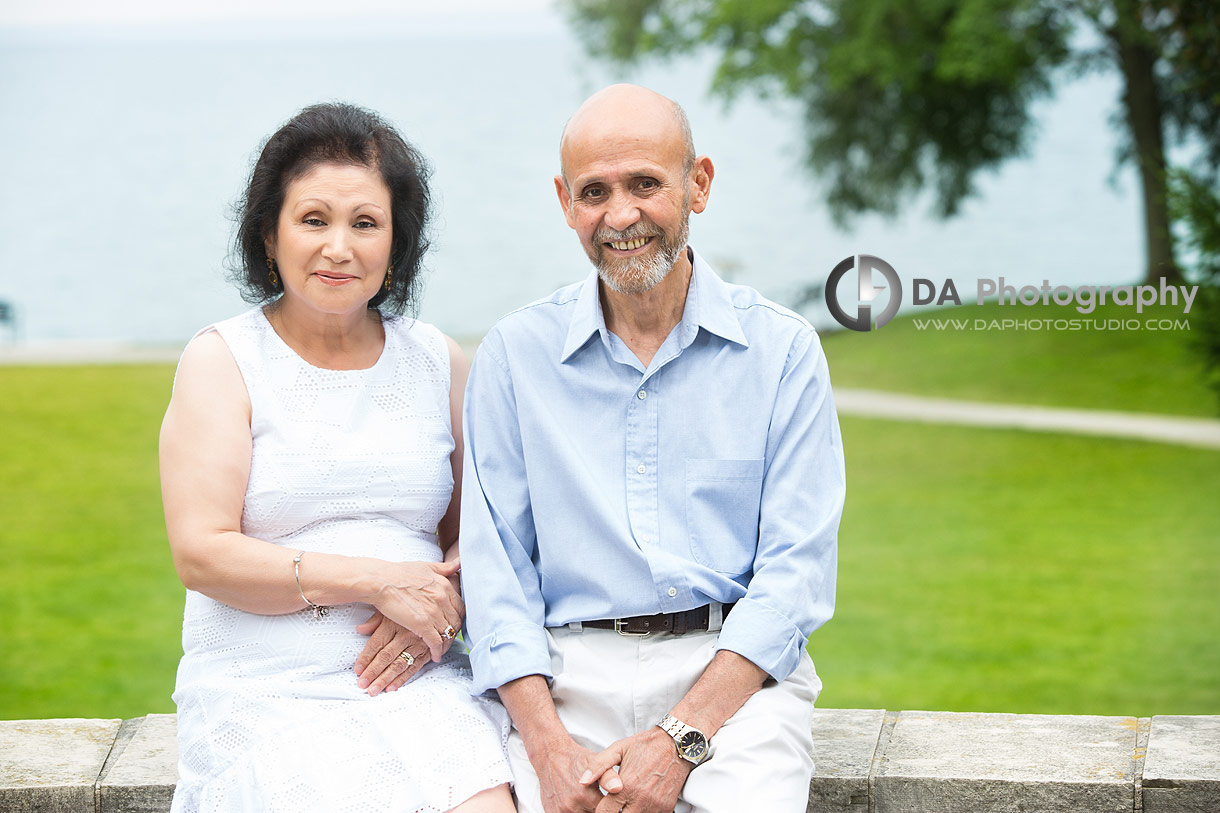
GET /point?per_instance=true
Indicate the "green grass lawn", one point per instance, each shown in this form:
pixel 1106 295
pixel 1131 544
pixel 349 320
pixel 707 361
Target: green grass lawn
pixel 993 570
pixel 1139 371
pixel 91 607
pixel 980 569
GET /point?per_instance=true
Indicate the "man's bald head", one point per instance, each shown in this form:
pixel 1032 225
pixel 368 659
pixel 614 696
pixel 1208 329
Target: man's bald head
pixel 629 182
pixel 631 112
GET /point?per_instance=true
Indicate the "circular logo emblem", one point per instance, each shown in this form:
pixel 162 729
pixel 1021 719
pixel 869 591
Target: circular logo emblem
pixel 866 292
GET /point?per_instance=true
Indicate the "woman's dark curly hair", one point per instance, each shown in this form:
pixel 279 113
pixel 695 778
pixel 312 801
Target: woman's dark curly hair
pixel 343 134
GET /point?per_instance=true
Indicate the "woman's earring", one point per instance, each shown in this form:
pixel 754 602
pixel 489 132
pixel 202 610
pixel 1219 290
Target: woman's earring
pixel 388 272
pixel 271 275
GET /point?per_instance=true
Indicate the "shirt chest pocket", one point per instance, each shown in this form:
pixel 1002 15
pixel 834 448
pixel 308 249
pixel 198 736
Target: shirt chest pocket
pixel 722 499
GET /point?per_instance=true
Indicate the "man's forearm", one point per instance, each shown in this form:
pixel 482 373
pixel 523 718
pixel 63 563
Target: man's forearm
pixel 529 703
pixel 561 764
pixel 725 686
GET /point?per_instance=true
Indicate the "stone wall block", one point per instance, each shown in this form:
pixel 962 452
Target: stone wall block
pixel 977 763
pixel 1182 768
pixel 141 778
pixel 843 744
pixel 51 766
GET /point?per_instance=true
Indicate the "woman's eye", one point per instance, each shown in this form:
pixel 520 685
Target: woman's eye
pixel 313 221
pixel 365 224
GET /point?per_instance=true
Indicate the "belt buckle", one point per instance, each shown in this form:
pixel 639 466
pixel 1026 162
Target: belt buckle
pixel 618 627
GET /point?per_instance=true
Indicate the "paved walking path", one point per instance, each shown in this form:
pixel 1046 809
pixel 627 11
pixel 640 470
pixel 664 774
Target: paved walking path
pixel 92 351
pixel 1204 432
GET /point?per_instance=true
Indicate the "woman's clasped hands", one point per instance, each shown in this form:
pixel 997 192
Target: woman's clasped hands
pixel 419 613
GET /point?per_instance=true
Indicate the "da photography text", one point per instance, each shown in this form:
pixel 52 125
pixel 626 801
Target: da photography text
pixel 1085 299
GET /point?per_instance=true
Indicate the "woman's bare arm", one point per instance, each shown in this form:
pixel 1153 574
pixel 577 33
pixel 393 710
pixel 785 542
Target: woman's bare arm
pixel 459 370
pixel 205 465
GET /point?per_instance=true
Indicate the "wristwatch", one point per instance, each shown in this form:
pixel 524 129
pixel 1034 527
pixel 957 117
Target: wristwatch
pixel 692 743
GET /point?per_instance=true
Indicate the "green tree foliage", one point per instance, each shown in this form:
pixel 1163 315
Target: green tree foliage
pixel 899 97
pixel 1188 32
pixel 1196 209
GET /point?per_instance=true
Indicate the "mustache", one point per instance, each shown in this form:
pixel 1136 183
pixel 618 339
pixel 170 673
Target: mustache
pixel 605 234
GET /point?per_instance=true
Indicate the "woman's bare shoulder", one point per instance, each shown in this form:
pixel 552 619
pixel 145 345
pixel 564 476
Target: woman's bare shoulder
pixel 208 370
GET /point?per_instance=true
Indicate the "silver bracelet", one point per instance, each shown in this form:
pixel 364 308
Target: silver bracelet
pixel 318 610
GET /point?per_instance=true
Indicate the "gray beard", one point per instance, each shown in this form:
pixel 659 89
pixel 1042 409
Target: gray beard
pixel 637 275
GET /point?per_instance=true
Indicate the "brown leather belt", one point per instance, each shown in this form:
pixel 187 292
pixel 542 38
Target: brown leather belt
pixel 677 623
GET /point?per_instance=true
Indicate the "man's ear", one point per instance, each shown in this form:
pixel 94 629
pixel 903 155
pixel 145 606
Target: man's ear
pixel 565 200
pixel 701 176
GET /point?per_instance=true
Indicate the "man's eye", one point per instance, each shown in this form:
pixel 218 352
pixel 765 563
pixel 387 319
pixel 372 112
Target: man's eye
pixel 647 184
pixel 593 194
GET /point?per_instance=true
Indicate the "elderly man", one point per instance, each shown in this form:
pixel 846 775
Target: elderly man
pixel 653 486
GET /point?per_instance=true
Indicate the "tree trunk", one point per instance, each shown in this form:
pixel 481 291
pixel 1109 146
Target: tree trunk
pixel 1141 99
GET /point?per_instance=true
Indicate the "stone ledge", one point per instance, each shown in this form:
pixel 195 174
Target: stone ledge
pixel 1182 768
pixel 140 778
pixel 868 761
pixel 53 765
pixel 961 763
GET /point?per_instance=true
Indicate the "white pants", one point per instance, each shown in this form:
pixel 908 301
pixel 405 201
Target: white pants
pixel 609 686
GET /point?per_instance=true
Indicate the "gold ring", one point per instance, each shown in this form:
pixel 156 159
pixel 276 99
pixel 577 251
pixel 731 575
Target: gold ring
pixel 407 658
pixel 450 633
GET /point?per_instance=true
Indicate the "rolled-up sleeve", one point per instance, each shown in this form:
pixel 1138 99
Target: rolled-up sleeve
pixel 792 590
pixel 504 605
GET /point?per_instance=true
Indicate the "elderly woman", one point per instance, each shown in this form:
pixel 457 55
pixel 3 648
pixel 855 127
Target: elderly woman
pixel 310 467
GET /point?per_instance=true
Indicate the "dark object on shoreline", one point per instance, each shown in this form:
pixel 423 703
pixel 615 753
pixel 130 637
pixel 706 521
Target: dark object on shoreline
pixel 8 317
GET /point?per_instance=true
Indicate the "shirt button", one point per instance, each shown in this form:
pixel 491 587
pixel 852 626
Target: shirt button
pixel 641 468
pixel 642 394
pixel 645 538
pixel 673 591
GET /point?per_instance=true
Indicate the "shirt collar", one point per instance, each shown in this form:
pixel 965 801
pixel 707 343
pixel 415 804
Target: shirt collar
pixel 714 310
pixel 587 318
pixel 708 306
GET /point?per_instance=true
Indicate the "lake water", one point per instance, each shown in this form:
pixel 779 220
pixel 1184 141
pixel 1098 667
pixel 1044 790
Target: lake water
pixel 123 149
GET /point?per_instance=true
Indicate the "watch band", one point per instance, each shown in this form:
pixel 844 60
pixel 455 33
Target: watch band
pixel 672 725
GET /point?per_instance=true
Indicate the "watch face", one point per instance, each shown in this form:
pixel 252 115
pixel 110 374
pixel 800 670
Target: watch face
pixel 693 745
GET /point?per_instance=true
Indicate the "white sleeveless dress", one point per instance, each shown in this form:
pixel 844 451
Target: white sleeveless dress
pixel 269 715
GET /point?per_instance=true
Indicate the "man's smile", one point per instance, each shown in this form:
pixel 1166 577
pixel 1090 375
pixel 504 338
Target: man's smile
pixel 629 245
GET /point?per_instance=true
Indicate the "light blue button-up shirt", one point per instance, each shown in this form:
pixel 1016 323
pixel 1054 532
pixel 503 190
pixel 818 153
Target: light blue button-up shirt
pixel 594 488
